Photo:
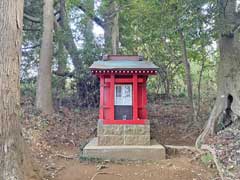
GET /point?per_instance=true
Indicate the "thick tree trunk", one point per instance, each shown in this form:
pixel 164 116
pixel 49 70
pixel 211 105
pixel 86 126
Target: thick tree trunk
pixel 115 30
pixel 188 77
pixel 111 28
pixel 44 87
pixel 69 44
pixel 61 53
pixel 228 75
pixel 11 140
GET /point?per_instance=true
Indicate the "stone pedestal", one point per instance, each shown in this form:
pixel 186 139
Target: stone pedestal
pixel 123 134
pixel 152 152
pixel 124 142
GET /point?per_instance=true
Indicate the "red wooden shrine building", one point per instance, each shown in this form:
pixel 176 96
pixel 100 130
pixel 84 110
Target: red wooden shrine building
pixel 123 93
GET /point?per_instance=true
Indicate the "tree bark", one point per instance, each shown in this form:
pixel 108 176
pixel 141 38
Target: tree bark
pixel 115 30
pixel 228 74
pixel 61 52
pixel 88 49
pixel 11 140
pixel 44 87
pixel 188 77
pixel 111 28
pixel 70 45
pixel 200 79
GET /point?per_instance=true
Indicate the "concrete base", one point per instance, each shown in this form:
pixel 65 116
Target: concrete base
pixel 123 134
pixel 153 152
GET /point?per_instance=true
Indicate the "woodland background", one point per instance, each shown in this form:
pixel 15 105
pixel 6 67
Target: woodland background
pixel 196 94
pixel 178 36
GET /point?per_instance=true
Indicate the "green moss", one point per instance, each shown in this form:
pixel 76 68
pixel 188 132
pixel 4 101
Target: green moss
pixel 207 158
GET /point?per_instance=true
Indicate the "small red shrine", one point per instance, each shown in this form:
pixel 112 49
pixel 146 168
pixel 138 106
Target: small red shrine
pixel 123 130
pixel 123 93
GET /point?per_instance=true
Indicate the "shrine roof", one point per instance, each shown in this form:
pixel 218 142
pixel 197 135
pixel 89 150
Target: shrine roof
pixel 123 62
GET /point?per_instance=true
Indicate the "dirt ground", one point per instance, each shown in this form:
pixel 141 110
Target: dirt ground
pixel 55 142
pixel 160 171
pixel 178 168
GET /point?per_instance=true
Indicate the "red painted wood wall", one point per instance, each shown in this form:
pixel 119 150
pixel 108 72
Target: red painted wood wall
pixel 107 85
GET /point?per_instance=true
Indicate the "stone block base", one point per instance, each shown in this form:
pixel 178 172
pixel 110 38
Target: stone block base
pixel 123 134
pixel 153 152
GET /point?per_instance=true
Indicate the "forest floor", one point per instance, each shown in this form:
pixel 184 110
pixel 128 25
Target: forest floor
pixel 55 142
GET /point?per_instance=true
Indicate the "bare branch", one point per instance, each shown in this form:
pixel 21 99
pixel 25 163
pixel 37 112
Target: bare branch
pixel 31 29
pixel 64 74
pixel 31 18
pixel 236 28
pixel 92 16
pixel 31 47
pixel 35 19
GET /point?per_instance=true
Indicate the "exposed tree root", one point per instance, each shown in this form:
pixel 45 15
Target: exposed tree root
pixel 218 165
pixel 224 111
pixel 97 173
pixel 60 169
pixel 209 128
pixel 64 156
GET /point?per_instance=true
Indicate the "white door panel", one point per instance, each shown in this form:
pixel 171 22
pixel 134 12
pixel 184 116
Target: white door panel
pixel 123 94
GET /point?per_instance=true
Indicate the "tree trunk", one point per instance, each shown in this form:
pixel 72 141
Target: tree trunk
pixel 44 87
pixel 115 30
pixel 111 28
pixel 188 77
pixel 167 85
pixel 228 75
pixel 61 53
pixel 70 45
pixel 11 140
pixel 200 79
pixel 89 47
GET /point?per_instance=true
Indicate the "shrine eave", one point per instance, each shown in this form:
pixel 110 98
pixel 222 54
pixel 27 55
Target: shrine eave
pixel 125 71
pixel 123 65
